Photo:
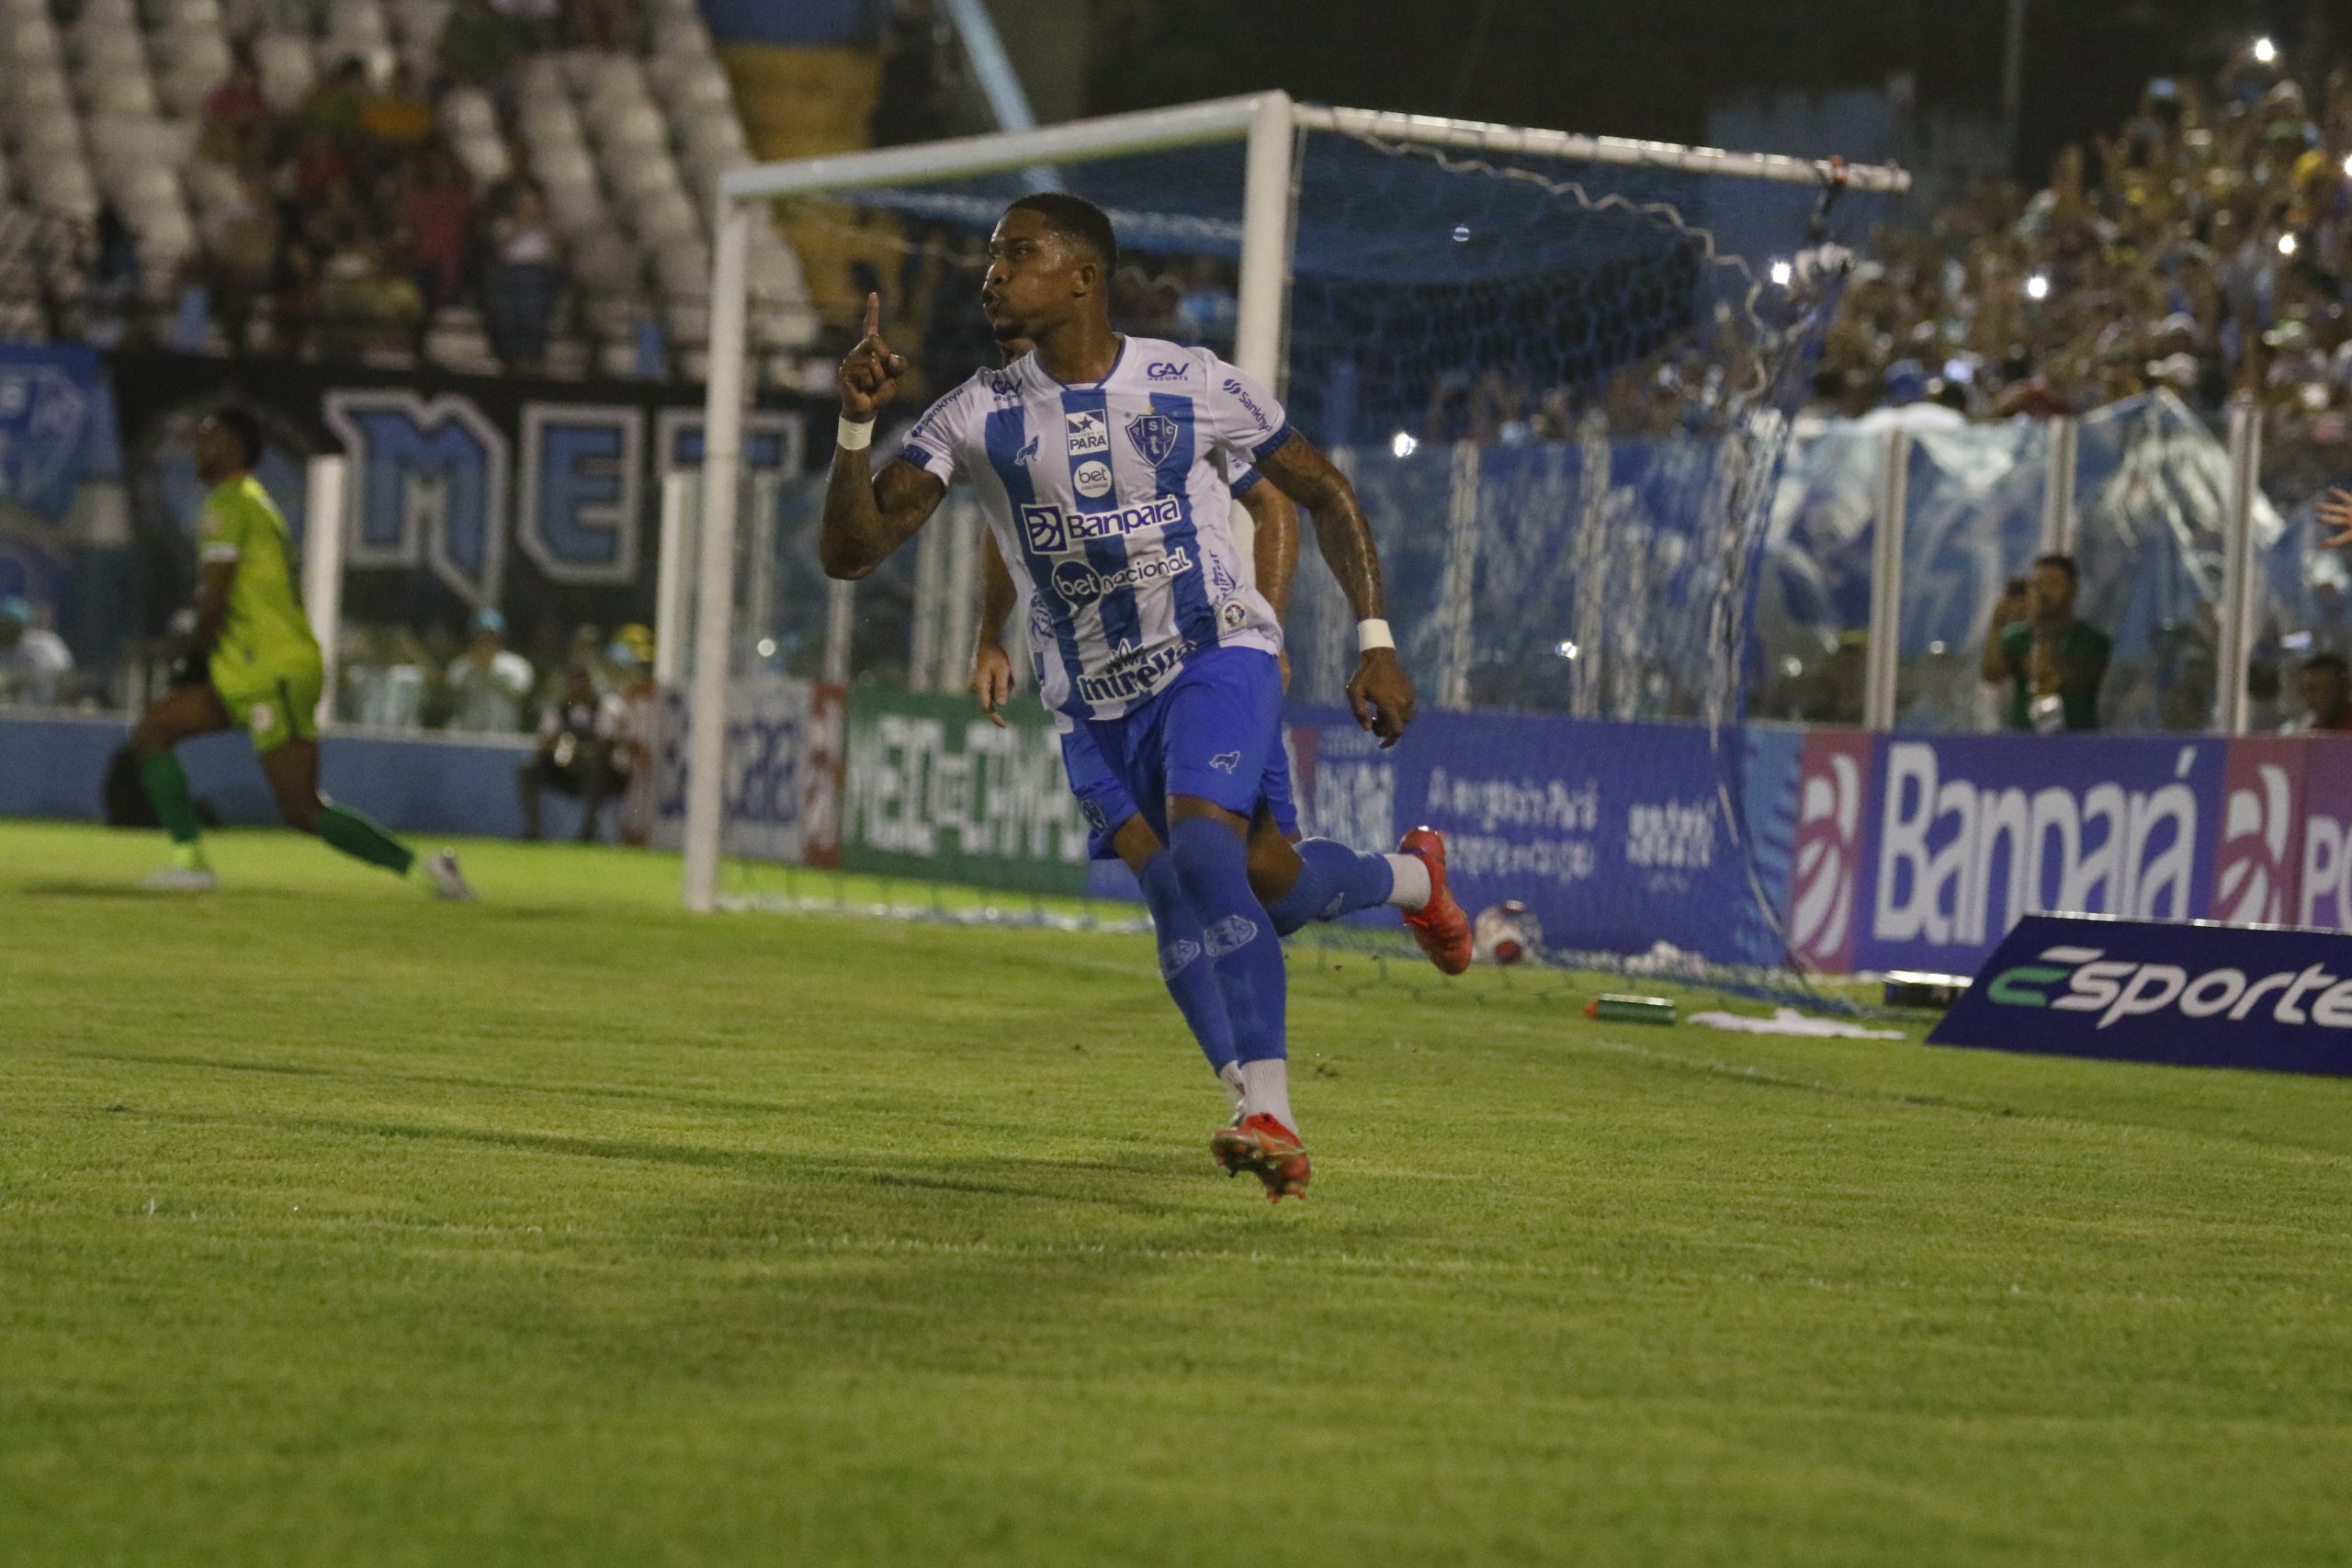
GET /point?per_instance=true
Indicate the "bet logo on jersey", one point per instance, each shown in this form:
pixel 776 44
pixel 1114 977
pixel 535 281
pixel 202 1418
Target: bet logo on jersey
pixel 1092 478
pixel 1154 435
pixel 1088 436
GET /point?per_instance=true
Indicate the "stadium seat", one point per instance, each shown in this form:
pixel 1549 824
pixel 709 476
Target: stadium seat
pixel 286 67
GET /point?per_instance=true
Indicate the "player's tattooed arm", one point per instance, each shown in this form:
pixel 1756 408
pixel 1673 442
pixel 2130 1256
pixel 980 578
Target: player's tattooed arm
pixel 1380 692
pixel 867 516
pixel 1273 544
pixel 991 665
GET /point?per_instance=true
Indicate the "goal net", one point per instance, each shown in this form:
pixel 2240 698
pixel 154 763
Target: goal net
pixel 1560 371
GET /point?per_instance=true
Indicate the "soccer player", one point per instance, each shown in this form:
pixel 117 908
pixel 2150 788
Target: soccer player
pixel 1097 459
pixel 252 664
pixel 1342 881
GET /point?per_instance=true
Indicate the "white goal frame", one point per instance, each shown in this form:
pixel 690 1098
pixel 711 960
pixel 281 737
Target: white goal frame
pixel 1266 122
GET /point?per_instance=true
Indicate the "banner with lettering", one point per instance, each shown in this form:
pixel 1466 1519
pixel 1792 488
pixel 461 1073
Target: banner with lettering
pixel 934 790
pixel 537 498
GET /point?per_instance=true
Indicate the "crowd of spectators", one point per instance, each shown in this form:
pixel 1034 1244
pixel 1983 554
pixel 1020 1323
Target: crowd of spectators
pixel 2202 247
pixel 352 220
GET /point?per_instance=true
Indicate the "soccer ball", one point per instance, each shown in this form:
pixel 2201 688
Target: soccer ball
pixel 1506 932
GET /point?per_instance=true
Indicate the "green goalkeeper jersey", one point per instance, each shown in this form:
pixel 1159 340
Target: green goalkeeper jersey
pixel 265 624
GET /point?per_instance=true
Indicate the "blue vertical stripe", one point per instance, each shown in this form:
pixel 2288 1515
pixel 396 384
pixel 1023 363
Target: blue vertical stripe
pixel 1007 431
pixel 1122 620
pixel 1195 614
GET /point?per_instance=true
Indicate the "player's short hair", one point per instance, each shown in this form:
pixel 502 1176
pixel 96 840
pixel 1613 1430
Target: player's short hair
pixel 1075 218
pixel 2064 563
pixel 2332 663
pixel 241 423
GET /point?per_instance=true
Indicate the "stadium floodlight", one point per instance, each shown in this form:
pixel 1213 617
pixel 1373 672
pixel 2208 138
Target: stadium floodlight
pixel 2265 52
pixel 1335 227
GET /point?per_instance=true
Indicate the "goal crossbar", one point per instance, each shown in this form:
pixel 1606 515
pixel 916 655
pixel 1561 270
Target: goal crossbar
pixel 1267 122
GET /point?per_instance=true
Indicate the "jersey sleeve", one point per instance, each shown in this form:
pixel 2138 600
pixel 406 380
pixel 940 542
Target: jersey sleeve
pixel 220 534
pixel 1246 481
pixel 934 440
pixel 1241 417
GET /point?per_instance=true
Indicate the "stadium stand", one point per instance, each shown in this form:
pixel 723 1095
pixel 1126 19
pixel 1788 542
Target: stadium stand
pixel 388 179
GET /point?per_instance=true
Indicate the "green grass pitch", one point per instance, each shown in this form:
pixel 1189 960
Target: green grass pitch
pixel 339 1227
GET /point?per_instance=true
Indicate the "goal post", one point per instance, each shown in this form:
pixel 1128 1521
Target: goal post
pixel 1259 143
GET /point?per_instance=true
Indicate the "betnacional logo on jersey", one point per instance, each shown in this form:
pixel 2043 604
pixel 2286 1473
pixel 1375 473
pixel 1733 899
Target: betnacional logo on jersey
pixel 1167 370
pixel 1081 584
pixel 1240 394
pixel 1154 435
pixel 1092 480
pixel 1088 436
pixel 1051 531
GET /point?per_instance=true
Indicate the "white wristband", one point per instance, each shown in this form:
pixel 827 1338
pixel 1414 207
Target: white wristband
pixel 1373 634
pixel 854 436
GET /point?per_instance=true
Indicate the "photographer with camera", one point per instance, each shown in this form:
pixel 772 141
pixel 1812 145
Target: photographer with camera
pixel 2052 662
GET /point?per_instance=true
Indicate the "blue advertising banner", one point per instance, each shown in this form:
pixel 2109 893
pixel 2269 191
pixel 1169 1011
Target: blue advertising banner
pixel 1613 834
pixel 1924 850
pixel 2181 993
pixel 53 405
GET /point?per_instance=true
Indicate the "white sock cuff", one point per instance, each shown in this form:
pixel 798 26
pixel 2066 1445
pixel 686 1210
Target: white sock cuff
pixel 1412 889
pixel 1266 1090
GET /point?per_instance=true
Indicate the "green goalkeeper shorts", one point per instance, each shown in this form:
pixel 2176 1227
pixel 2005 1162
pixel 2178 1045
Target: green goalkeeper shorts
pixel 273 701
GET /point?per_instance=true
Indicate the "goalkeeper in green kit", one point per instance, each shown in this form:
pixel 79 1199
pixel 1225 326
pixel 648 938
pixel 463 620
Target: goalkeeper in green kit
pixel 252 664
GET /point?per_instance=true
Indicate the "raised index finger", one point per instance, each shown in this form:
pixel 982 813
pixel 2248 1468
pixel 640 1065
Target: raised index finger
pixel 873 315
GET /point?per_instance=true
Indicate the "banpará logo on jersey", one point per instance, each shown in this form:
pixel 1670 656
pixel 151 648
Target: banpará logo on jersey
pixel 1240 394
pixel 1092 480
pixel 1081 584
pixel 1167 370
pixel 1051 531
pixel 1088 436
pixel 1154 435
pixel 2118 988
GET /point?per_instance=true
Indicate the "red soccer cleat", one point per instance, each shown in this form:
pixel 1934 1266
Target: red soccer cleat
pixel 1440 926
pixel 1267 1150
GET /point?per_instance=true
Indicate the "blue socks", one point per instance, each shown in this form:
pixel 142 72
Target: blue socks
pixel 1212 866
pixel 1184 962
pixel 1333 880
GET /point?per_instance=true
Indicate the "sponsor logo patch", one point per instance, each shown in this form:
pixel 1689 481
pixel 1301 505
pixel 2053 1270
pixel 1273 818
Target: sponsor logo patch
pixel 1088 436
pixel 1233 614
pixel 1177 957
pixel 1240 394
pixel 1092 480
pixel 1051 531
pixel 1079 583
pixel 1028 453
pixel 1167 370
pixel 1154 435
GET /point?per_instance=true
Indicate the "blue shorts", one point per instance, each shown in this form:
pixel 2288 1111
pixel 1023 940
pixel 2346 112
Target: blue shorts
pixel 1214 733
pixel 1108 807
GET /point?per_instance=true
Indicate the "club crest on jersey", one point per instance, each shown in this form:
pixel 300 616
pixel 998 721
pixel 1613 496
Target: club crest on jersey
pixel 1092 480
pixel 1088 436
pixel 1154 435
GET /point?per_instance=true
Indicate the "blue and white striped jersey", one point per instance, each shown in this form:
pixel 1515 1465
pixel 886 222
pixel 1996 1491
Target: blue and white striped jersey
pixel 1112 499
